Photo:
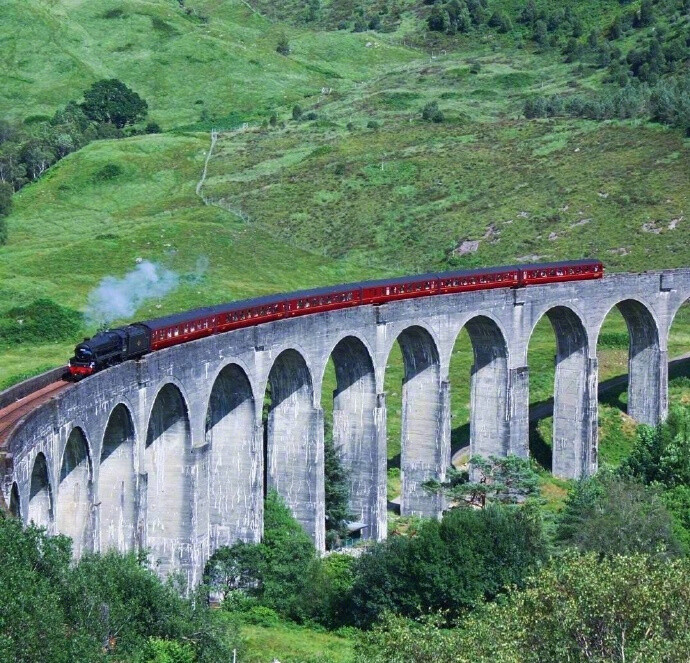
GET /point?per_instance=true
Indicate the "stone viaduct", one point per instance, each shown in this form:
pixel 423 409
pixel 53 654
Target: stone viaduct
pixel 169 453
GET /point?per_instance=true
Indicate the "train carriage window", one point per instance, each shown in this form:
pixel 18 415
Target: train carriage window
pixel 559 272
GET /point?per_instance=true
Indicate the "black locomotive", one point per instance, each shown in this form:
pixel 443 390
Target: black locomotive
pixel 108 348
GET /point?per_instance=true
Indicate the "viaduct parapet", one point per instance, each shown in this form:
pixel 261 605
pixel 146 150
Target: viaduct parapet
pixel 170 453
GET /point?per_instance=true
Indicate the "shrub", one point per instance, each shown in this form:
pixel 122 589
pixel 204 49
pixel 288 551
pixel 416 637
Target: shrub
pixel 273 120
pixel 52 610
pixel 108 172
pixel 153 128
pixel 40 321
pixel 448 566
pixel 612 516
pixel 579 608
pixel 311 115
pixel 276 572
pixel 283 46
pixel 662 454
pixel 297 112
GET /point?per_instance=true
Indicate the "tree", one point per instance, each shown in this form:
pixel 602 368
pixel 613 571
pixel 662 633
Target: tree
pixel 337 487
pixel 297 112
pixel 53 610
pixel 541 34
pixel 646 15
pixel 504 479
pixel 6 192
pixel 277 572
pixel 111 101
pixel 449 566
pixel 662 454
pixel 612 516
pixel 579 609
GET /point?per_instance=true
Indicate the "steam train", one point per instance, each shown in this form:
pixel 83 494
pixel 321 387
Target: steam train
pixel 114 346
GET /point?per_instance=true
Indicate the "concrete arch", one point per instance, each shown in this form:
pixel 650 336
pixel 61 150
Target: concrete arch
pixel 15 502
pixel 75 493
pixel 644 361
pixel 425 441
pixel 40 510
pixel 574 418
pixel 169 492
pixel 235 467
pixel 489 412
pixel 117 484
pixel 294 442
pixel 356 433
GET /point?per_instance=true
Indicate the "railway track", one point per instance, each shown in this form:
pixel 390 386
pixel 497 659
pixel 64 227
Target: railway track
pixel 11 415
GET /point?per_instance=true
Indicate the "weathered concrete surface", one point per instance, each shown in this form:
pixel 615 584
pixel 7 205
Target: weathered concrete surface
pixel 170 453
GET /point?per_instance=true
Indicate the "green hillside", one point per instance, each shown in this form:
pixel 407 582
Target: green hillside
pixel 219 58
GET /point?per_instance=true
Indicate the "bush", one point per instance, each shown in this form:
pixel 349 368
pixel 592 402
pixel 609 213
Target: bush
pixel 612 516
pixel 108 172
pixel 579 608
pixel 449 566
pixel 109 605
pixel 167 651
pixel 297 112
pixel 278 572
pixel 431 112
pixel 41 321
pixel 283 46
pixel 662 454
pixel 153 128
pixel 6 192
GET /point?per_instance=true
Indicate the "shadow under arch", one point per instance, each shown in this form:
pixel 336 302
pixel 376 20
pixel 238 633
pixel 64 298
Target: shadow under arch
pixel 355 434
pixel 75 494
pixel 40 494
pixel 644 362
pixel 15 502
pixel 235 466
pixel 169 496
pixel 117 484
pixel 425 438
pixel 573 421
pixel 294 443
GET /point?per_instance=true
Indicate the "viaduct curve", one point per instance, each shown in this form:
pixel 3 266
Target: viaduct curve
pixel 167 453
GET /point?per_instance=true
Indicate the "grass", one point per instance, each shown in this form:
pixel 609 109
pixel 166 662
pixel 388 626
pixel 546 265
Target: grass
pixel 288 642
pixel 222 55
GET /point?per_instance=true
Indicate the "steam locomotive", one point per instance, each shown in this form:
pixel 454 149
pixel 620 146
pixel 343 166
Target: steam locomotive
pixel 114 346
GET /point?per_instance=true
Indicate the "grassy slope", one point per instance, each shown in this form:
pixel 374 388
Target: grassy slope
pixel 51 50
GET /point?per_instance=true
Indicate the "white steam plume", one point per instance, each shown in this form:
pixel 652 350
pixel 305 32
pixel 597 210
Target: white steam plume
pixel 116 298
